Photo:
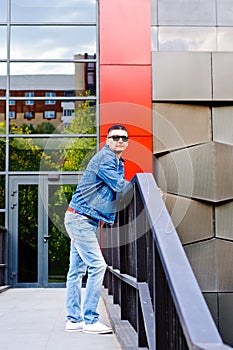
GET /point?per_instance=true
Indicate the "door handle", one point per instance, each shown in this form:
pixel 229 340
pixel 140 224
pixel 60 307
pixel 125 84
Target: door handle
pixel 46 238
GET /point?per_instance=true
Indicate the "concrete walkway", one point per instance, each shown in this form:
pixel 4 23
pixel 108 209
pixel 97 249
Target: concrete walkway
pixel 34 319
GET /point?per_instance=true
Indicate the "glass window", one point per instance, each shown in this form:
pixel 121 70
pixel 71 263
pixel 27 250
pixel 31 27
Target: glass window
pixel 2 186
pixel 29 94
pixel 29 115
pixel 2 219
pixel 2 117
pixel 52 42
pixel 68 109
pixel 2 79
pixel 40 120
pixel 34 71
pixel 51 154
pixel 50 94
pixel 3 12
pixel 49 114
pixel 3 48
pixel 63 79
pixel 53 11
pixel 2 158
pixel 11 115
pixel 28 234
pixel 12 102
pixel 187 39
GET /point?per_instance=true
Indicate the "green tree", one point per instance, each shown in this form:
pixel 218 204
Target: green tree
pixel 45 128
pixel 79 151
pixel 26 153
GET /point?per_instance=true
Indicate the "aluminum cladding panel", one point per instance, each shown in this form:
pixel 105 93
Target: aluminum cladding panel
pixel 181 76
pixel 212 263
pixel 203 172
pixel 223 124
pixel 224 221
pixel 225 13
pixel 222 76
pixel 179 125
pixel 193 219
pixel 191 12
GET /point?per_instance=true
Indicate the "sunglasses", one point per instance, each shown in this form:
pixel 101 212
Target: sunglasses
pixel 117 138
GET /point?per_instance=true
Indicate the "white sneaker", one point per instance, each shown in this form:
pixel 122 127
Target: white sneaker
pixel 96 328
pixel 74 326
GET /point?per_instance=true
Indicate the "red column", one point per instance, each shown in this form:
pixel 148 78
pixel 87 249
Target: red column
pixel 125 77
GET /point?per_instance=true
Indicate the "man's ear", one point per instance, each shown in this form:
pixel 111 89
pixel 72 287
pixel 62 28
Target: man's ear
pixel 107 141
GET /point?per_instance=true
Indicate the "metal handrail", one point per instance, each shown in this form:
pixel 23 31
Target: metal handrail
pixel 163 273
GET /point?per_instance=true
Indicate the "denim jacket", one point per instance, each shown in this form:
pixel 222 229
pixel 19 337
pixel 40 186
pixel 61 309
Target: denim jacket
pixel 97 192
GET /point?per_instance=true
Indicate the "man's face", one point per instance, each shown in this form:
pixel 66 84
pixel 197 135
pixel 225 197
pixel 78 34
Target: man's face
pixel 116 144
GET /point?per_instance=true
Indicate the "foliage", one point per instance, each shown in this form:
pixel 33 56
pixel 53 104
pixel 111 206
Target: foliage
pixel 45 128
pixel 79 151
pixel 25 154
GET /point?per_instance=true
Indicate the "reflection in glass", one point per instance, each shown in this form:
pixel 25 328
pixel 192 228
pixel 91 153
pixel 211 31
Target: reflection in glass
pixel 3 12
pixel 66 154
pixel 53 11
pixel 2 79
pixel 28 234
pixel 187 39
pixel 54 154
pixel 3 49
pixel 2 189
pixel 52 42
pixel 32 76
pixel 2 117
pixel 40 68
pixel 2 219
pixel 35 109
pixel 224 37
pixel 2 150
pixel 58 243
pixel 43 118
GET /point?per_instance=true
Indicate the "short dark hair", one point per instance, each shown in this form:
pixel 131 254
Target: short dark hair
pixel 117 127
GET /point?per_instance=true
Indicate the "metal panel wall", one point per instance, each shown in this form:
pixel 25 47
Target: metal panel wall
pixel 203 171
pixel 192 66
pixel 181 76
pixel 222 75
pixel 186 210
pixel 212 262
pixel 191 12
pixel 180 125
pixel 225 12
pixel 223 124
pixel 224 221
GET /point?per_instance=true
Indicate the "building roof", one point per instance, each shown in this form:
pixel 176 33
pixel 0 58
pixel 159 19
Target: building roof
pixel 40 82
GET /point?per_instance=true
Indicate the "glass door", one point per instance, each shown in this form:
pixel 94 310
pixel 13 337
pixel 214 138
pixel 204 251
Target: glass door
pixel 39 246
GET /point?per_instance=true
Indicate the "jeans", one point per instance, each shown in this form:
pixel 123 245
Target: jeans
pixel 85 254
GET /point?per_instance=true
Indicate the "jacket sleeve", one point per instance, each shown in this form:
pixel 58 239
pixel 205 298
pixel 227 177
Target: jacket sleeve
pixel 108 173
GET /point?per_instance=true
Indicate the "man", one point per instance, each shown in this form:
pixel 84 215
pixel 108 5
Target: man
pixel 93 201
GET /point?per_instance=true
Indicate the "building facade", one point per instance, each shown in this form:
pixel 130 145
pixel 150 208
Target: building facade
pixel 161 67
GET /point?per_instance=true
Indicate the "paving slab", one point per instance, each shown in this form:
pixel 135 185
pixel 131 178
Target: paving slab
pixel 34 319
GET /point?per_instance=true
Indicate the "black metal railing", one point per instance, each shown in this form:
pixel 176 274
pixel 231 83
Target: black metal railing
pixel 150 278
pixel 3 250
